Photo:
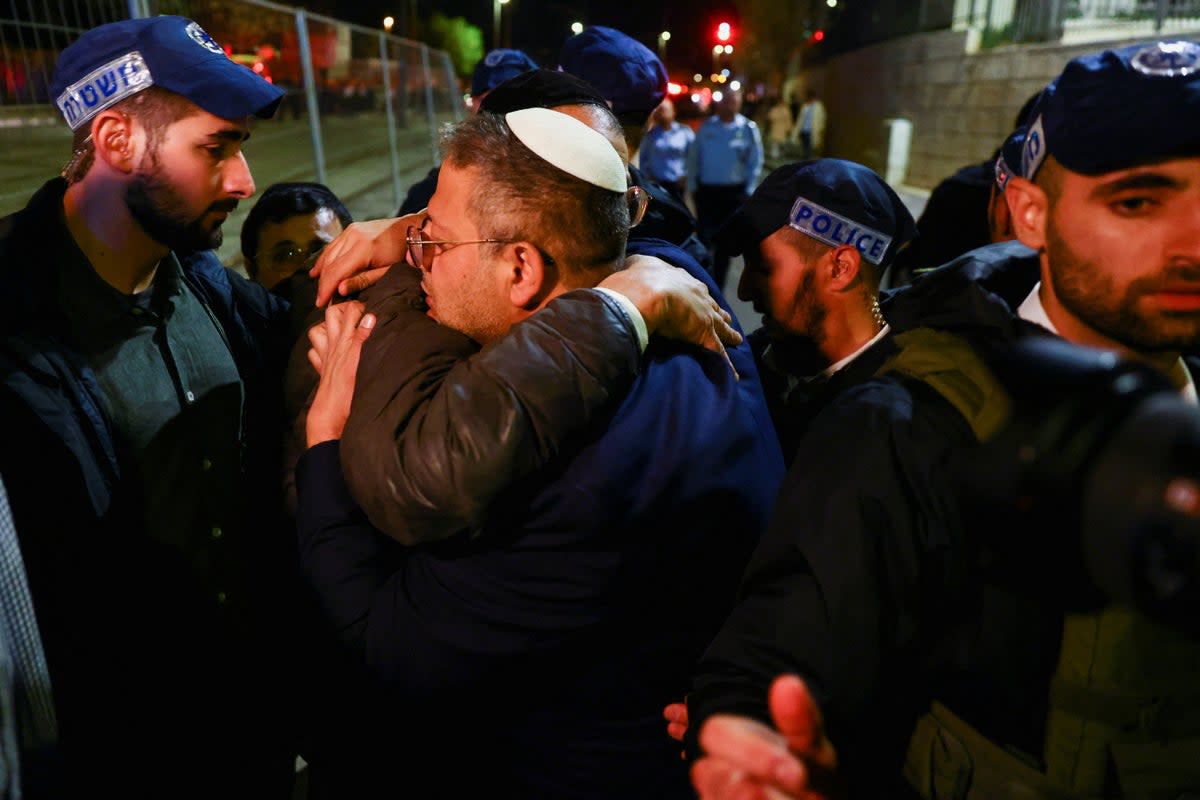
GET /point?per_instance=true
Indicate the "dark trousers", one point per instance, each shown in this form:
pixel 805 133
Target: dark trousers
pixel 806 145
pixel 715 204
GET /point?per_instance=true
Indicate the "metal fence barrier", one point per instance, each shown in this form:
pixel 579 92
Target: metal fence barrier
pixel 361 113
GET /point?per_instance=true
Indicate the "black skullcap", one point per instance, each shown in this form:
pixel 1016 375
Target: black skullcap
pixel 540 88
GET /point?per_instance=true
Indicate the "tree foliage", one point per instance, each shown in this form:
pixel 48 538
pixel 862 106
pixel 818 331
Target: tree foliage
pixel 462 40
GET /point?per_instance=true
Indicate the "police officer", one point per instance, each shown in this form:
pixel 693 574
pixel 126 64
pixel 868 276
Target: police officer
pixel 722 168
pixel 911 648
pixel 816 236
pixel 663 154
pixel 139 381
pixel 633 80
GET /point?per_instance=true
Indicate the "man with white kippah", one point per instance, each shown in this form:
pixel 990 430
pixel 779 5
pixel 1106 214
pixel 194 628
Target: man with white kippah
pixel 140 446
pixel 585 579
pixel 884 644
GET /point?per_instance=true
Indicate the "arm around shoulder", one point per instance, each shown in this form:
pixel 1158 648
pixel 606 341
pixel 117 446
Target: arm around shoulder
pixel 438 431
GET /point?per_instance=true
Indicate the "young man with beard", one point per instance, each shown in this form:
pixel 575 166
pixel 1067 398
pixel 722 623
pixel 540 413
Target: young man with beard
pixel 927 667
pixel 817 235
pixel 579 593
pixel 140 394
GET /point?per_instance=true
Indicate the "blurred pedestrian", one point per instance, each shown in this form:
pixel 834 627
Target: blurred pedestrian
pixel 722 169
pixel 664 150
pixel 809 130
pixel 779 126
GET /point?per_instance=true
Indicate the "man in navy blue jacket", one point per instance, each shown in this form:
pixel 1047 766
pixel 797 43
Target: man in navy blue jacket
pixel 581 585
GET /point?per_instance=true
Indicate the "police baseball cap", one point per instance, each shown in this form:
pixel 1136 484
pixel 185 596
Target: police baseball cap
pixel 498 66
pixel 540 88
pixel 626 72
pixel 833 201
pixel 115 61
pixel 1119 108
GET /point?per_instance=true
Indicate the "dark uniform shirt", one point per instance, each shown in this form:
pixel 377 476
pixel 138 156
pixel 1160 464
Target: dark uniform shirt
pixel 172 390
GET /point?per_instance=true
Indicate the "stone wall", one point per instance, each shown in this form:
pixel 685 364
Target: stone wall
pixel 961 104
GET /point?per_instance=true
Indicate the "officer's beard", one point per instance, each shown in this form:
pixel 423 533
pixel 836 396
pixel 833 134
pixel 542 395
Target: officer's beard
pixel 163 215
pixel 1087 289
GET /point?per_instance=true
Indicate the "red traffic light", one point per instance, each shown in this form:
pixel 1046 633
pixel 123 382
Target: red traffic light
pixel 818 36
pixel 724 32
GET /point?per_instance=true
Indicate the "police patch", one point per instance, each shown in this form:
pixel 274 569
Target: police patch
pixel 1167 59
pixel 201 37
pixel 103 87
pixel 833 229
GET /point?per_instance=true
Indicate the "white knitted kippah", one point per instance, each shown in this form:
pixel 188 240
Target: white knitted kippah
pixel 569 145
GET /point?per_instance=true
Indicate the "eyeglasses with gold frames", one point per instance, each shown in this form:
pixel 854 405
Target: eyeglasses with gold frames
pixel 422 255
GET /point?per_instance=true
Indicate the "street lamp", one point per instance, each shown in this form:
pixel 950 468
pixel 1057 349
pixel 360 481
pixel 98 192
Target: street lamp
pixel 576 28
pixel 496 21
pixel 388 22
pixel 663 38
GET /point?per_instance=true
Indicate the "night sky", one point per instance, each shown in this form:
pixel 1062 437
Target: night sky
pixel 540 26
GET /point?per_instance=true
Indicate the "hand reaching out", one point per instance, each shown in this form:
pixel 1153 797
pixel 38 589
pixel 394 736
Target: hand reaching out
pixel 745 759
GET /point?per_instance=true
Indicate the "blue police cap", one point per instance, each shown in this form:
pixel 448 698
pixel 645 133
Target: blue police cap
pixel 498 66
pixel 625 71
pixel 1008 162
pixel 1119 108
pixel 115 61
pixel 834 201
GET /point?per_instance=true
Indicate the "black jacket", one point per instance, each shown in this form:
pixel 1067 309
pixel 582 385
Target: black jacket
pixel 149 678
pixel 865 582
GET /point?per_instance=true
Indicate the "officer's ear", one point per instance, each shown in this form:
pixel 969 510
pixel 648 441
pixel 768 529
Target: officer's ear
pixel 844 268
pixel 1029 208
pixel 114 139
